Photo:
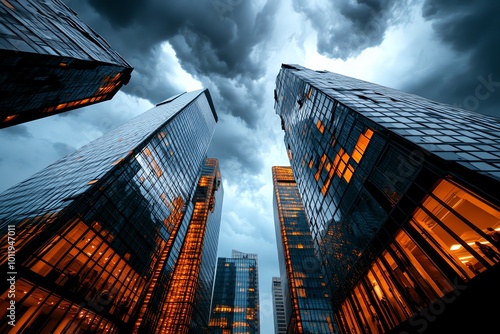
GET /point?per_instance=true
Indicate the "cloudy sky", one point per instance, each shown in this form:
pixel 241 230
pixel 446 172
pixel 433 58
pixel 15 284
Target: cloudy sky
pixel 446 50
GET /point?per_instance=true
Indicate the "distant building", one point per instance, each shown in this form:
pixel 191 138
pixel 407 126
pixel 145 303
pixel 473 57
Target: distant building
pixel 235 301
pixel 307 308
pixel 121 235
pixel 52 62
pixel 278 307
pixel 399 192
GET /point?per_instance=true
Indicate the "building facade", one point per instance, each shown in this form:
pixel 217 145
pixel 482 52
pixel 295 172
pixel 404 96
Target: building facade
pixel 402 199
pixel 104 237
pixel 52 62
pixel 278 307
pixel 307 309
pixel 235 301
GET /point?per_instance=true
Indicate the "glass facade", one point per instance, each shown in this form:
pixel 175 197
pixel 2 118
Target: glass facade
pixel 104 235
pixel 52 62
pixel 401 194
pixel 235 302
pixel 307 309
pixel 278 307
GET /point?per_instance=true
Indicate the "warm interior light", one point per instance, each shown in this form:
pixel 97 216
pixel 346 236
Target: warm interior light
pixel 9 118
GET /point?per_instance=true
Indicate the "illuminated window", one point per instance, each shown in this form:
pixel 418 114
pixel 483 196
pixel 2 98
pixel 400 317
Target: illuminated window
pixel 452 207
pixel 9 118
pixel 320 126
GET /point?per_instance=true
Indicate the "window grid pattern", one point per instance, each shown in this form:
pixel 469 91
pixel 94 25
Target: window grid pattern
pixel 307 309
pixel 235 303
pixel 101 229
pixel 420 212
pixel 52 62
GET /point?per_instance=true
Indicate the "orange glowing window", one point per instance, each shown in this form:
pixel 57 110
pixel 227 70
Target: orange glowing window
pixel 348 173
pixel 318 173
pixel 320 126
pixel 345 157
pixel 356 155
pixel 461 205
pixel 92 181
pixel 63 64
pixel 61 106
pixel 311 164
pixel 341 168
pixel 337 158
pixel 9 118
pixel 324 189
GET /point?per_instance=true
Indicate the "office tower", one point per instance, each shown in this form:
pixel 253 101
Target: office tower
pixel 187 308
pixel 400 193
pixel 307 309
pixel 235 301
pixel 105 237
pixel 52 62
pixel 278 307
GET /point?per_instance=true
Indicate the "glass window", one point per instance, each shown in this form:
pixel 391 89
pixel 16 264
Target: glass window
pixel 461 226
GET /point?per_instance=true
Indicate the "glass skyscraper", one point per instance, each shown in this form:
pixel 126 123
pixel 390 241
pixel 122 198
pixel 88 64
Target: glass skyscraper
pixel 401 195
pixel 52 62
pixel 235 301
pixel 106 236
pixel 278 307
pixel 307 309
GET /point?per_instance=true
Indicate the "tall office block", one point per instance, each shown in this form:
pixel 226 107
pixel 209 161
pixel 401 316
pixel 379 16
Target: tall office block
pixel 52 62
pixel 307 309
pixel 187 308
pixel 401 194
pixel 278 307
pixel 105 237
pixel 235 302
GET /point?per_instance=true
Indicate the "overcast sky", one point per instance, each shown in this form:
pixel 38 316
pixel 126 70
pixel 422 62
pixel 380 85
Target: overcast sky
pixel 446 50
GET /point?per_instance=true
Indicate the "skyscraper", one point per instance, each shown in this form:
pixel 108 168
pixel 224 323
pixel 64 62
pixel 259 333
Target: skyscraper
pixel 105 237
pixel 307 309
pixel 52 62
pixel 278 307
pixel 400 193
pixel 235 302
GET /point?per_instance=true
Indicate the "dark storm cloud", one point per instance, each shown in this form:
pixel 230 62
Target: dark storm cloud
pixel 213 43
pixel 345 28
pixel 472 30
pixel 238 151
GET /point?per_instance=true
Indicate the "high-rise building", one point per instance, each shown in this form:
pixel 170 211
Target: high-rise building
pixel 187 308
pixel 52 62
pixel 106 238
pixel 307 309
pixel 278 307
pixel 235 301
pixel 401 196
